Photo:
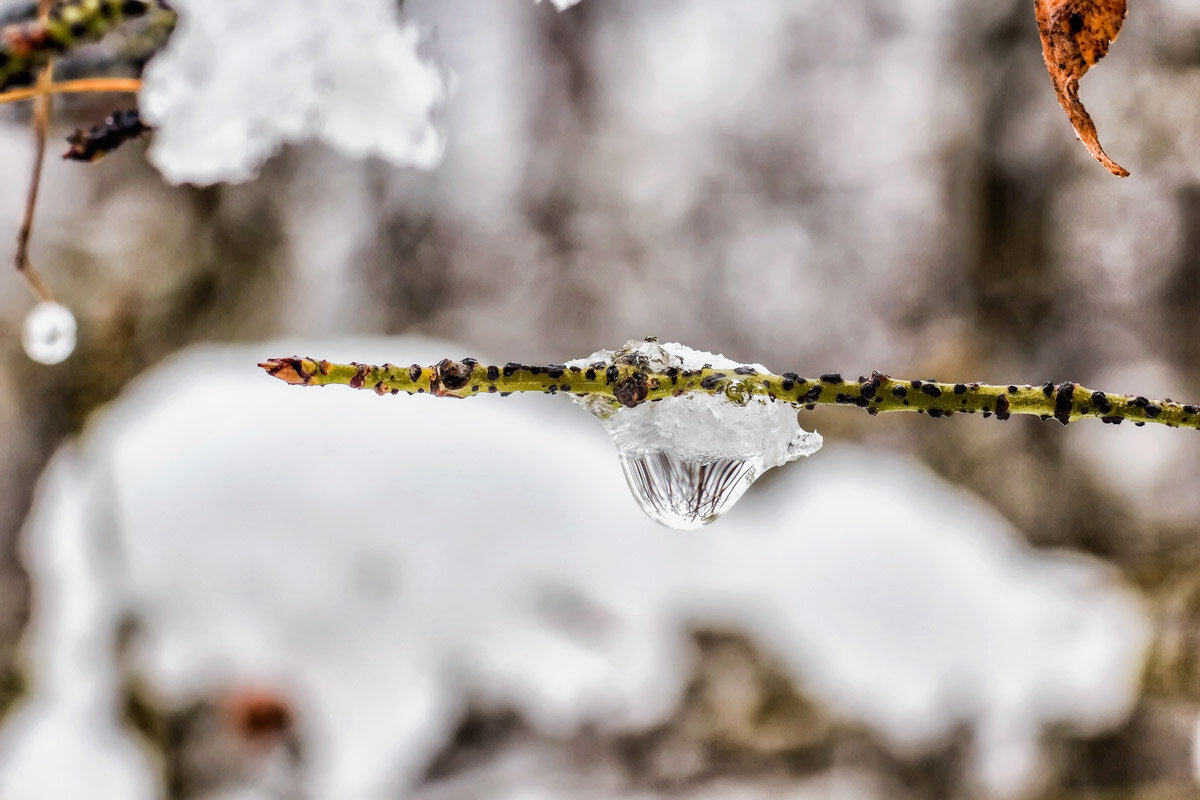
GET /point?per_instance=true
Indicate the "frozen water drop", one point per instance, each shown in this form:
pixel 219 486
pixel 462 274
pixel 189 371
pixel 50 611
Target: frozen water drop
pixel 48 334
pixel 686 494
pixel 688 459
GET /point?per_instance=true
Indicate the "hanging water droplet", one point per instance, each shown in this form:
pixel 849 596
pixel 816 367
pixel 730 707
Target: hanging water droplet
pixel 688 459
pixel 684 494
pixel 48 334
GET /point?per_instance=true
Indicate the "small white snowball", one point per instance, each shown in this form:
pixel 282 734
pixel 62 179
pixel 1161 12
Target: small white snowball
pixel 48 334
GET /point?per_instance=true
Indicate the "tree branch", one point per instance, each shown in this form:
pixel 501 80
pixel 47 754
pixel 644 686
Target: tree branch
pixel 630 385
pixel 27 46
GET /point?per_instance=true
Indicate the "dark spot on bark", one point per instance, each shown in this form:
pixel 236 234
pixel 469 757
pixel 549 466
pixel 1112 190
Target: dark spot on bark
pixel 1190 409
pixel 379 390
pixel 510 368
pixel 360 375
pixel 590 374
pixel 1100 400
pixel 611 374
pixel 632 390
pixel 1064 399
pixel 935 413
pixel 1012 389
pixel 813 394
pixel 931 390
pixel 1002 407
pixel 555 371
pixel 1075 23
pixel 960 388
pixel 709 382
pixel 493 373
pixel 745 370
pixel 1048 389
pixel 414 373
pixel 788 384
pixel 899 391
pixel 1111 420
pixel 831 377
pixel 453 374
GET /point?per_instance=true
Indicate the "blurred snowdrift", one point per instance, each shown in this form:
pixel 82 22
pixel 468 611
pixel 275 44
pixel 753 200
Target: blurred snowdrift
pixel 382 560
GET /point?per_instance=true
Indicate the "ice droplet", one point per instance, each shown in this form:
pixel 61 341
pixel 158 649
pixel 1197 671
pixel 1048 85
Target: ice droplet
pixel 688 459
pixel 48 334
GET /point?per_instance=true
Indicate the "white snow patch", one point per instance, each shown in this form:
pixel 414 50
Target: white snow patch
pixel 238 80
pixel 65 742
pixel 383 559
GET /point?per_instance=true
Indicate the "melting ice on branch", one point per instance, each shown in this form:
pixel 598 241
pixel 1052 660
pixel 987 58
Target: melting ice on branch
pixel 238 80
pixel 689 458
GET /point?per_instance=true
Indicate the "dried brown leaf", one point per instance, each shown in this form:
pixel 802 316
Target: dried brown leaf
pixel 1075 35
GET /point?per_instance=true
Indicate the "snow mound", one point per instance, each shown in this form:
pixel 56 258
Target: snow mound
pixel 383 560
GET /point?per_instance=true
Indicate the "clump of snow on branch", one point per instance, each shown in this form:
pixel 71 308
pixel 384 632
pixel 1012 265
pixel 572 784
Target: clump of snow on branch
pixel 699 425
pixel 562 5
pixel 688 459
pixel 239 80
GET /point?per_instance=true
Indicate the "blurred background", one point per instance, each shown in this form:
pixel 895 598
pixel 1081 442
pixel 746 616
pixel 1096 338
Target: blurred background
pixel 224 587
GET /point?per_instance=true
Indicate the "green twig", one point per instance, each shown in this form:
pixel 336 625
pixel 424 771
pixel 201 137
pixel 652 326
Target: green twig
pixel 26 47
pixel 631 385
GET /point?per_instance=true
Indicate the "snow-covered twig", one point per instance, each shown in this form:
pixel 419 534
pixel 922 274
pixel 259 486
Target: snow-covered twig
pixel 631 385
